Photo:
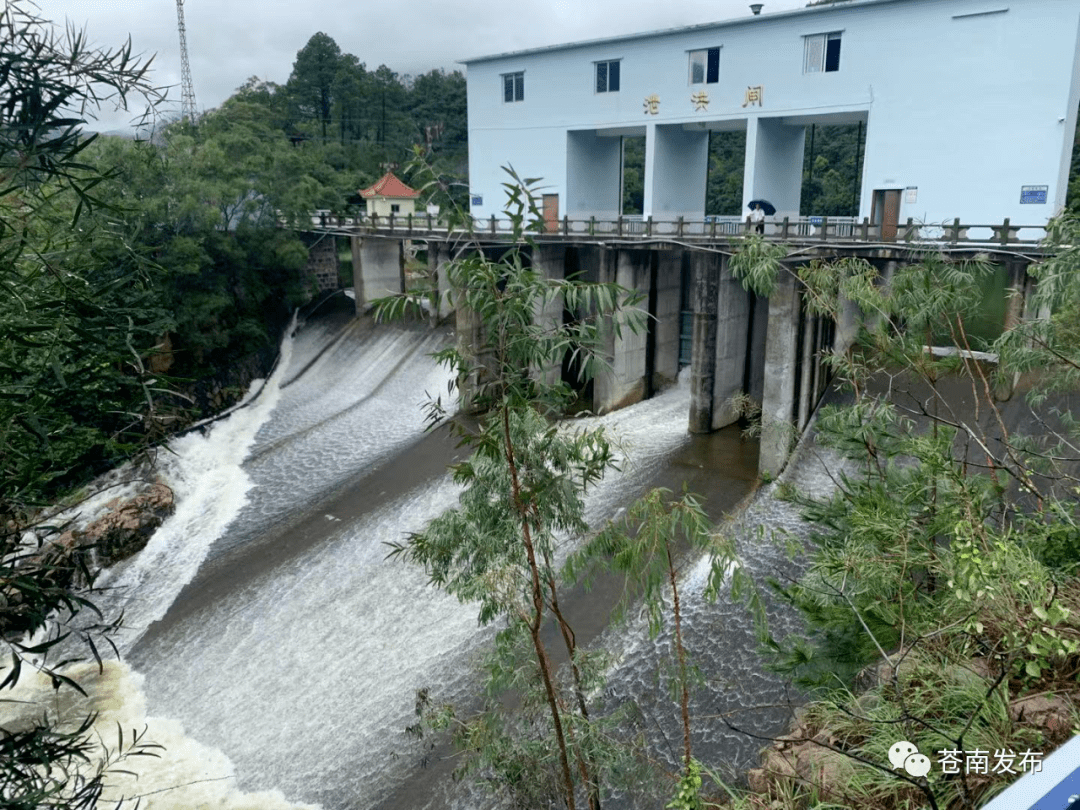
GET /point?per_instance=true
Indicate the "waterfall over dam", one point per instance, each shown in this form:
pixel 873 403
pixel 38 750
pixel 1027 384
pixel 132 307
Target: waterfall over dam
pixel 265 618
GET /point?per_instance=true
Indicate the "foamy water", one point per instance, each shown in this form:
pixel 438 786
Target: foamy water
pixel 329 648
pixel 300 679
pixel 210 486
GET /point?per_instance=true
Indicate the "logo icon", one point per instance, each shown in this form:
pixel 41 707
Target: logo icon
pixel 905 755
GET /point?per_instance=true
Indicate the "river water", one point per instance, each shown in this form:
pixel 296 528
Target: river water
pixel 275 651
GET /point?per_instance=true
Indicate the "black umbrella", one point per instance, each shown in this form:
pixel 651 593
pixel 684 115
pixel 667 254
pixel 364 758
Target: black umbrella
pixel 764 205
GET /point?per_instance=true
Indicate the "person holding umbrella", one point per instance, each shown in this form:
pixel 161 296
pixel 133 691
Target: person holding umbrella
pixel 759 208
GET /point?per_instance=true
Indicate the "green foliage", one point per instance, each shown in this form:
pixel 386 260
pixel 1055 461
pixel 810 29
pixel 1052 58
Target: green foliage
pixel 832 171
pixel 1051 345
pixel 946 556
pixel 203 213
pixel 633 178
pixel 359 122
pixel 758 263
pixel 78 318
pixel 727 158
pixel 523 490
pixel 688 790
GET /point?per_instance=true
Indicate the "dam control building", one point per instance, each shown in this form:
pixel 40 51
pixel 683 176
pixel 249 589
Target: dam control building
pixel 968 109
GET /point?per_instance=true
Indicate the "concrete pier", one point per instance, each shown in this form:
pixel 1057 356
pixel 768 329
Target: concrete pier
pixel 769 350
pixel 778 397
pixel 378 269
pixel 438 257
pixel 549 260
pixel 624 382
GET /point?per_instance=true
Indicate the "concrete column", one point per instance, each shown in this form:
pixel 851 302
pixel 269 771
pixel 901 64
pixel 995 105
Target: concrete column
pixel 733 324
pixel 669 265
pixel 380 271
pixel 774 164
pixel 437 270
pixel 550 260
pixel 847 325
pixel 704 303
pixel 1016 309
pixel 755 355
pixel 467 328
pixel 358 284
pixel 777 429
pixel 624 382
pixel 649 182
pixel 806 370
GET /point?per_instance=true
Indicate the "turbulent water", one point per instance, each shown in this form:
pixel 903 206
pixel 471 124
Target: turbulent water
pixel 266 623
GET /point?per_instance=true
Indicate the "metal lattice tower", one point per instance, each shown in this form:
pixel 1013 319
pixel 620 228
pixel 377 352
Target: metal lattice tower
pixel 187 89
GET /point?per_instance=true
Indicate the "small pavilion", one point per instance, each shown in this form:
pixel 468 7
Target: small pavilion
pixel 390 196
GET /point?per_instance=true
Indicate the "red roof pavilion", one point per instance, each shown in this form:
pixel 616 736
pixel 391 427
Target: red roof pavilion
pixel 389 186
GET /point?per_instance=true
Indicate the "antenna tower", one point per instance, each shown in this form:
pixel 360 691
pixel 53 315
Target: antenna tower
pixel 187 89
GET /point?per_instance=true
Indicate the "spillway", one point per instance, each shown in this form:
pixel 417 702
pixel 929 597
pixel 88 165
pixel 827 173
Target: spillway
pixel 265 621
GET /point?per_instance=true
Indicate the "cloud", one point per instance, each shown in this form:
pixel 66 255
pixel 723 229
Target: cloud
pixel 230 41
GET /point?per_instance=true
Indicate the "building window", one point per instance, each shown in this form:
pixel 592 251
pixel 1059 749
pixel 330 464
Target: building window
pixel 514 86
pixel 395 208
pixel 607 76
pixel 705 66
pixel 822 53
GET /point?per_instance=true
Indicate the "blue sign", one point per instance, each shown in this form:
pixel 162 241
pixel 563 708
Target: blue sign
pixel 1033 194
pixel 1066 794
pixel 477 200
pixel 1055 787
pixel 815 221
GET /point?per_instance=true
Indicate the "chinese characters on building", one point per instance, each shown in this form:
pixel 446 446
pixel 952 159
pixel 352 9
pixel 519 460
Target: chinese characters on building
pixel 652 104
pixel 700 100
pixel 754 95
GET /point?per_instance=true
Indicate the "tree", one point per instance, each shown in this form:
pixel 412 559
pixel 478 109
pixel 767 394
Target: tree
pixel 522 499
pixel 524 483
pixel 208 208
pixel 73 330
pixel 643 546
pixel 311 84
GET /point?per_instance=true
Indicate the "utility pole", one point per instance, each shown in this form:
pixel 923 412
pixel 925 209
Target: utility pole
pixel 187 89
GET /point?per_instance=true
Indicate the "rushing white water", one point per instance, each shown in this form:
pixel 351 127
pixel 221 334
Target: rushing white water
pixel 306 673
pixel 296 673
pixel 204 470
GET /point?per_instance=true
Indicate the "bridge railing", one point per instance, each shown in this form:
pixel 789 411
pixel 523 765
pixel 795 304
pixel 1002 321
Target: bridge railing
pixel 719 228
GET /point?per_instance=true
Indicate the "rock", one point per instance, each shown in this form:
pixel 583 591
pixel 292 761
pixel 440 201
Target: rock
pixel 880 673
pixel 829 769
pixel 757 780
pixel 1050 712
pixel 127 527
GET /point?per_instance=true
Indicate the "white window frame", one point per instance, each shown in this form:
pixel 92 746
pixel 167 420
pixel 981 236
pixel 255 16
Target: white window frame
pixel 518 85
pixel 816 62
pixel 607 81
pixel 705 65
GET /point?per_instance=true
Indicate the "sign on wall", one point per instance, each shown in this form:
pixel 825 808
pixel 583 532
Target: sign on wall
pixel 476 200
pixel 1033 194
pixel 911 194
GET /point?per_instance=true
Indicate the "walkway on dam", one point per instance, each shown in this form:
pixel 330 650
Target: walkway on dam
pixel 830 233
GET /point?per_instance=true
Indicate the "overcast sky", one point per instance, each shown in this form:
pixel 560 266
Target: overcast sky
pixel 232 40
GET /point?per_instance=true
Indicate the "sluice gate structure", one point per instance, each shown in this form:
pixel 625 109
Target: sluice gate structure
pixel 740 348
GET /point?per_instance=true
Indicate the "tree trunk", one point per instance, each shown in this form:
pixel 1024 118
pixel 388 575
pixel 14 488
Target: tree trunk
pixel 538 614
pixel 682 662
